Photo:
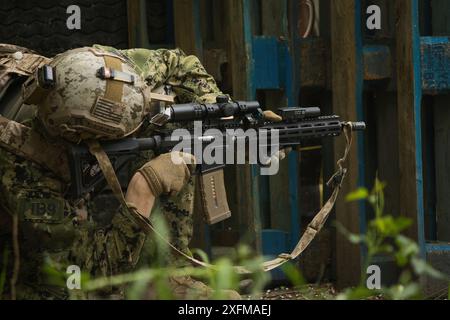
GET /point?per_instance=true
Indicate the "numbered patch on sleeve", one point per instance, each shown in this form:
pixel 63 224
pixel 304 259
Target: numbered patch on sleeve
pixel 41 206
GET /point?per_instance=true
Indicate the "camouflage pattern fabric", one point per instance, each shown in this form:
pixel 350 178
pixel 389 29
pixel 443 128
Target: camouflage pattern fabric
pixel 187 76
pixel 177 213
pixel 53 233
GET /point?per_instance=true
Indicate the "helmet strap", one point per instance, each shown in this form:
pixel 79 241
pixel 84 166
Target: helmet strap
pixel 114 88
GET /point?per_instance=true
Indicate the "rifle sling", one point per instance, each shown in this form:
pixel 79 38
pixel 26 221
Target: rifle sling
pixel 310 233
pixel 111 178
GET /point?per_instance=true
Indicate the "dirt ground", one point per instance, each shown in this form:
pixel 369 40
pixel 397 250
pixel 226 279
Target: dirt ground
pixel 306 292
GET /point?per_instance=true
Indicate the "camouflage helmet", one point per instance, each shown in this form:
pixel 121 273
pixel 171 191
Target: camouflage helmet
pixel 94 95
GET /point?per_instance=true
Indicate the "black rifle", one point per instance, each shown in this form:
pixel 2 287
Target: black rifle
pixel 298 125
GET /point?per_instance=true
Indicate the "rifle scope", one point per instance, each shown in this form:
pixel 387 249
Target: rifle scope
pixel 225 108
pixel 222 108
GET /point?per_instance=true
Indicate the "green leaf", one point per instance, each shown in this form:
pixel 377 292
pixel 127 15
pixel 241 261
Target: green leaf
pixel 407 248
pixel 355 238
pixel 359 194
pixel 357 293
pixel 421 267
pixel 405 277
pixel 379 186
pixel 352 237
pixel 225 277
pixel 385 248
pixel 293 274
pixel 202 254
pixel 389 226
pixel 404 292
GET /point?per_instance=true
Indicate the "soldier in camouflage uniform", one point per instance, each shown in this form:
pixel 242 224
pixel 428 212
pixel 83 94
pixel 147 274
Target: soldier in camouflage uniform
pixel 61 236
pixel 189 82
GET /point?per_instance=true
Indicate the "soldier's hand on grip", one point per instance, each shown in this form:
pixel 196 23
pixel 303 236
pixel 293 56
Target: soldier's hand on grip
pixel 272 116
pixel 169 172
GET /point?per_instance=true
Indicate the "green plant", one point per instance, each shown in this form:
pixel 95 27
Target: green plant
pixel 293 274
pixel 222 276
pixel 384 236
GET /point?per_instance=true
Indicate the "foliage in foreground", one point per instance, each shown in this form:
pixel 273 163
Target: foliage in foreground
pixel 384 236
pixel 219 278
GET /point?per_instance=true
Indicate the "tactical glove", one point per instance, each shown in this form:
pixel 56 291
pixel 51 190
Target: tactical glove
pixel 168 173
pixel 280 154
pixel 272 116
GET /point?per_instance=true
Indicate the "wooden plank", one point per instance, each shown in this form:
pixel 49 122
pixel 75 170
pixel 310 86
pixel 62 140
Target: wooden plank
pixel 219 21
pixel 325 19
pixel 279 184
pixel 315 66
pixel 246 187
pixel 315 63
pixel 441 27
pixel 214 61
pixel 382 119
pixel 377 62
pixel 213 22
pixel 188 37
pixel 238 50
pixel 217 47
pixel 435 62
pixel 207 22
pixel 386 121
pixel 187 26
pixel 266 57
pixel 429 168
pixel 442 156
pixel 440 17
pixel 271 22
pixel 317 262
pixel 408 108
pixel 347 94
pixel 133 12
pixel 283 187
pixel 137 28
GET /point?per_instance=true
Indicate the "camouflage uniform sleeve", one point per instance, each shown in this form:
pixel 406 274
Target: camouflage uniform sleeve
pixel 189 79
pixel 187 76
